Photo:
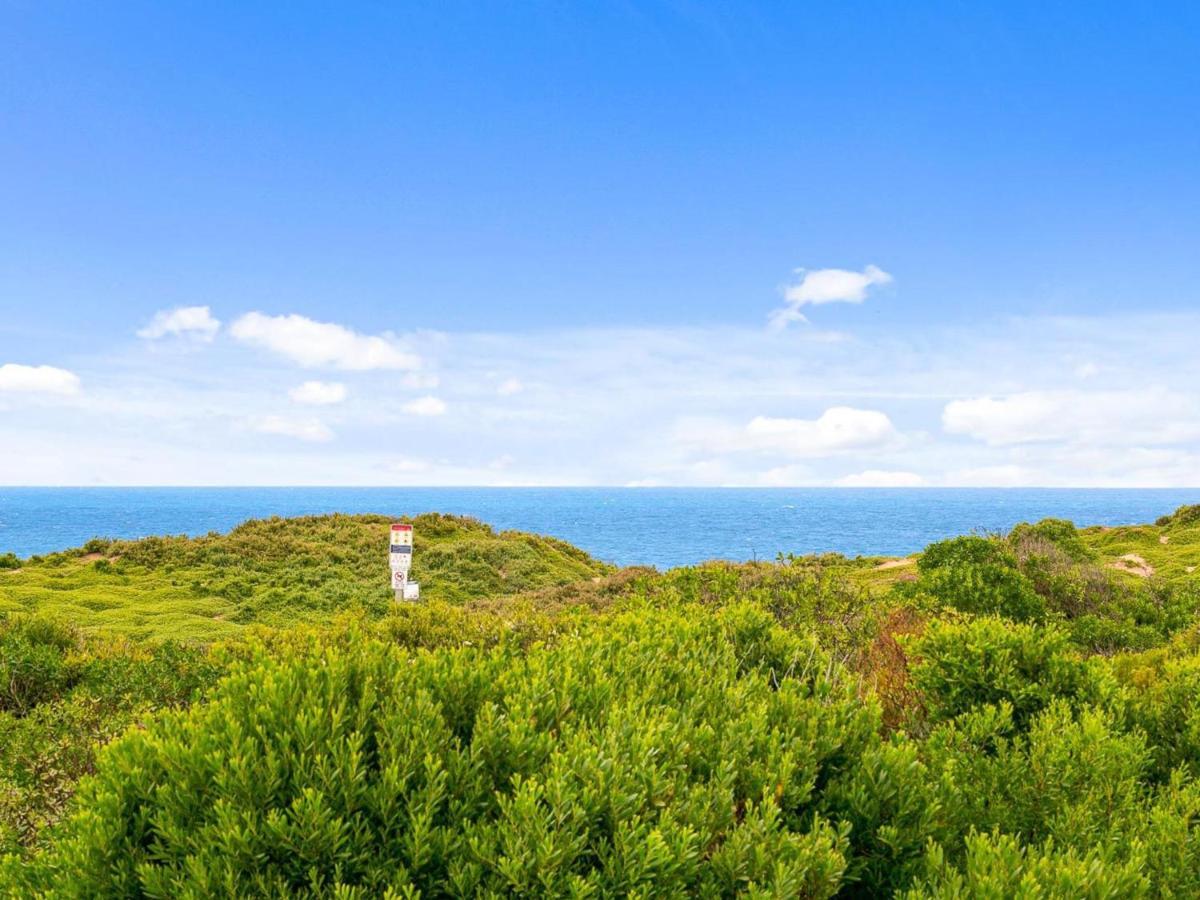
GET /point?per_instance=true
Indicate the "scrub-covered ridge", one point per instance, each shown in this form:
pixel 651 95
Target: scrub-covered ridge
pixel 998 716
pixel 277 572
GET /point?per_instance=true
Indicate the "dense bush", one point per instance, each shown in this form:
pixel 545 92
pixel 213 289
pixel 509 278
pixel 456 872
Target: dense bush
pixel 1183 517
pixel 34 663
pixel 1167 708
pixel 803 594
pixel 597 765
pixel 1000 866
pixel 62 694
pixel 979 575
pixel 987 661
pixel 819 726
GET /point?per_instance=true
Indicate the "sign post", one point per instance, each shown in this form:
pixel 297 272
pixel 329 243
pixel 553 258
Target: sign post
pixel 400 553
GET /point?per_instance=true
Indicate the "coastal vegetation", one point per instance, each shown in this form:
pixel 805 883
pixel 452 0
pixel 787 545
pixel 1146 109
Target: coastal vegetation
pixel 277 572
pixel 250 715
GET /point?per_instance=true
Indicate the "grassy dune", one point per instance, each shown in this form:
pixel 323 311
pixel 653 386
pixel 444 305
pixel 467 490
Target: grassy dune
pixel 277 572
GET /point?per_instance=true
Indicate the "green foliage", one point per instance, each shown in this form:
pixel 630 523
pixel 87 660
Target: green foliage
pixel 34 665
pixel 1058 533
pixel 540 724
pixel 890 802
pixel 979 575
pixel 1183 517
pixel 280 572
pixel 1071 776
pixel 1050 571
pixel 9 561
pixel 807 594
pixel 66 694
pixel 987 661
pixel 1167 708
pixel 999 866
pixel 596 766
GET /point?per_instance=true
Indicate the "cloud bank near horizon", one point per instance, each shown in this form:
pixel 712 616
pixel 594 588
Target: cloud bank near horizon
pixel 1053 402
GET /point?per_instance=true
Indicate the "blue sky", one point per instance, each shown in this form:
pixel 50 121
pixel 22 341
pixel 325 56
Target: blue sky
pixel 660 243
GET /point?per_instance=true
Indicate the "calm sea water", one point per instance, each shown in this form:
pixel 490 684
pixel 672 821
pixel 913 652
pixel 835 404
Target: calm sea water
pixel 661 527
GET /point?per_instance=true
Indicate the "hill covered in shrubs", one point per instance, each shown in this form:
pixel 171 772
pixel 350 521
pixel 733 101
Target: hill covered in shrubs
pixel 1002 716
pixel 277 572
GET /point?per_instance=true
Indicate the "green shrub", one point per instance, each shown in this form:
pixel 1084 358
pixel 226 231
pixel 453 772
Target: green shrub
pixel 979 575
pixel 659 754
pixel 890 802
pixel 1182 517
pixel 999 866
pixel 66 695
pixel 1059 533
pixel 1075 776
pixel 802 594
pixel 9 561
pixel 1052 555
pixel 34 665
pixel 988 661
pixel 42 756
pixel 1168 710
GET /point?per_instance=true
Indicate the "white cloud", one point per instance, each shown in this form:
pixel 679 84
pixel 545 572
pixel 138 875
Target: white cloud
pixel 1150 416
pixel 318 393
pixel 19 379
pixel 839 428
pixel 301 429
pixel 311 343
pixel 1087 370
pixel 881 478
pixel 819 286
pixel 425 406
pixel 617 402
pixel 192 321
pixel 509 386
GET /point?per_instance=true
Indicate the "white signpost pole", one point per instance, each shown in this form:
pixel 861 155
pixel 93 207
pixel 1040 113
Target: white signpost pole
pixel 400 553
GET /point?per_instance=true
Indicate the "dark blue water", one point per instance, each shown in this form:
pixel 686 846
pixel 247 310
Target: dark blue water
pixel 657 526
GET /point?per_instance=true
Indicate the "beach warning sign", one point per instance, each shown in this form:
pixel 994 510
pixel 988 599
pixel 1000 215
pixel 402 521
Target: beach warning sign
pixel 400 554
pixel 400 548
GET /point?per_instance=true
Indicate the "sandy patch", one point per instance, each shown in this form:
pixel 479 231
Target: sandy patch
pixel 896 563
pixel 1164 539
pixel 1133 564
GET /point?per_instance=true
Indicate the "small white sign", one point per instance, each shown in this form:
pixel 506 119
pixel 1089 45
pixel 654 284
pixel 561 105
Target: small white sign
pixel 400 554
pixel 400 547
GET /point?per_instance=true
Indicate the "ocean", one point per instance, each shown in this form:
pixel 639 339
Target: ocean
pixel 655 526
